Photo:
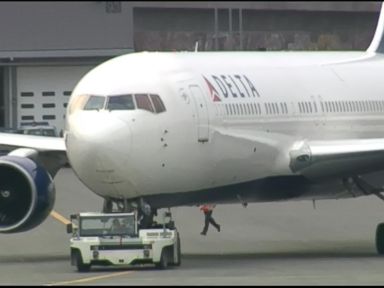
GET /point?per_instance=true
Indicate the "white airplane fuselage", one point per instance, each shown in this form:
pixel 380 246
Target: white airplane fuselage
pixel 230 118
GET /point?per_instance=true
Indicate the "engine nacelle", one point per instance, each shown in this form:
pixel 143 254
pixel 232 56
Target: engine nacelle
pixel 27 194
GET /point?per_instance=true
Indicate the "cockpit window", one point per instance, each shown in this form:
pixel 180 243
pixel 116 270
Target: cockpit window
pixel 77 103
pixel 95 103
pixel 143 102
pixel 159 105
pixel 120 102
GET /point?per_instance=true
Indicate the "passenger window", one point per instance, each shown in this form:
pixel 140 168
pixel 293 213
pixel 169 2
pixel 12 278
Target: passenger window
pixel 352 104
pixel 333 106
pixel 273 108
pixel 248 109
pixel 315 107
pixel 143 102
pixel 349 106
pixel 157 103
pixel 95 103
pixel 120 102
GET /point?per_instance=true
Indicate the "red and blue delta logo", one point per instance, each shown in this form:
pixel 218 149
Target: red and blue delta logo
pixel 214 94
pixel 230 85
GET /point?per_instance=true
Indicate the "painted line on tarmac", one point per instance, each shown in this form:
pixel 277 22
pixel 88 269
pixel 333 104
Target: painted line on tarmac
pixel 90 278
pixel 60 218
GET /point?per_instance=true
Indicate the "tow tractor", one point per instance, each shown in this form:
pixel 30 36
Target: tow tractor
pixel 116 239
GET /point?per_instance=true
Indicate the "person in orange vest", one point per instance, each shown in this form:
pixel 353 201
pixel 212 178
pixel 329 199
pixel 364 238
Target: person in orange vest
pixel 208 210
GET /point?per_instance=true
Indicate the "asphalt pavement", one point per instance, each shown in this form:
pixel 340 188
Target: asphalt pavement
pixel 287 243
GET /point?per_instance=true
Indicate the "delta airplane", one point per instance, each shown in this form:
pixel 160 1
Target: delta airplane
pixel 165 129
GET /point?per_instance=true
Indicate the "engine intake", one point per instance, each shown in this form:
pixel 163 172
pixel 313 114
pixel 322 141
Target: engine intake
pixel 27 194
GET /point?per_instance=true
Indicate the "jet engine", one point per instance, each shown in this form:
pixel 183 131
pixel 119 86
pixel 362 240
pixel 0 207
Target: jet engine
pixel 27 194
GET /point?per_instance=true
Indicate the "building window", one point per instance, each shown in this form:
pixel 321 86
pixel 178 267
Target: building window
pixel 27 106
pixel 26 94
pixel 27 117
pixel 49 105
pixel 48 93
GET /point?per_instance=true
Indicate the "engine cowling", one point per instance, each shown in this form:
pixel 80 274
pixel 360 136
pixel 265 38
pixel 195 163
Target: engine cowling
pixel 27 194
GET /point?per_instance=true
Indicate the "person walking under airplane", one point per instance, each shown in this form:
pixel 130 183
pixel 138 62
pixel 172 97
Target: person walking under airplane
pixel 208 210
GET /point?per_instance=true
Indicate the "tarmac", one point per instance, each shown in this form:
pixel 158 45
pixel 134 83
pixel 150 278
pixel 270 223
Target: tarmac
pixel 287 243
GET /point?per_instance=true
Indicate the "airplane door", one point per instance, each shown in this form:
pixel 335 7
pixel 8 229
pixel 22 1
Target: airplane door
pixel 201 113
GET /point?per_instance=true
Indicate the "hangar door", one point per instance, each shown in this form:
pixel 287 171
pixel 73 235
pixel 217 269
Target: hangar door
pixel 43 92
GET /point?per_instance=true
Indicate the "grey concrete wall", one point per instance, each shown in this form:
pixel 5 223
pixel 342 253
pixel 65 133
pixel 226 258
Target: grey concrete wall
pixel 179 29
pixel 369 6
pixel 64 25
pixel 77 29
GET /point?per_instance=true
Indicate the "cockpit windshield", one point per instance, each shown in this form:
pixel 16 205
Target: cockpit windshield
pixel 159 105
pixel 120 102
pixel 95 103
pixel 143 102
pixel 140 101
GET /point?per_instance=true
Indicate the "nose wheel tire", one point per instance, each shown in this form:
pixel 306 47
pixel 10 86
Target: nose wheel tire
pixel 81 267
pixel 163 264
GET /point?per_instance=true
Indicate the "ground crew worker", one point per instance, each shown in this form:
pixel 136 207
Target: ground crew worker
pixel 116 226
pixel 208 210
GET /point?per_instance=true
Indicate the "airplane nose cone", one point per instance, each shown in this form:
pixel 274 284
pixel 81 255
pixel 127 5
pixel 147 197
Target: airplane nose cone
pixel 100 132
pixel 97 145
